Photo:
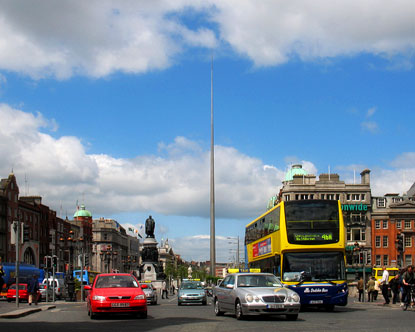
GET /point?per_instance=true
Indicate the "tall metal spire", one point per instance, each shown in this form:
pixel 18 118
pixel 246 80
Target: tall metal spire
pixel 212 182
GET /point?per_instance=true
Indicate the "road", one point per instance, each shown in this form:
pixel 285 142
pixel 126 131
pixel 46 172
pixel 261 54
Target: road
pixel 168 316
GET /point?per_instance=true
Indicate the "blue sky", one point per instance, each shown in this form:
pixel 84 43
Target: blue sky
pixel 114 110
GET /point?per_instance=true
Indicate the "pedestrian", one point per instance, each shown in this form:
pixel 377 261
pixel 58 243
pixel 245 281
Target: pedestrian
pixel 376 290
pixel 360 288
pixel 33 289
pixel 395 284
pixel 384 282
pixel 164 290
pixel 172 289
pixel 1 277
pixel 371 289
pixel 408 279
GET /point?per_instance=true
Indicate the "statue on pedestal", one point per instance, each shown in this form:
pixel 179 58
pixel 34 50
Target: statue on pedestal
pixel 150 224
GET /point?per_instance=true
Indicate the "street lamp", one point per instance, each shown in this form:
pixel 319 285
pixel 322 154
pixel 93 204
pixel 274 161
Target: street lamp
pixel 237 248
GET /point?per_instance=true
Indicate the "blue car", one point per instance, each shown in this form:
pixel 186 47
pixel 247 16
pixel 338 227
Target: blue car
pixel 191 291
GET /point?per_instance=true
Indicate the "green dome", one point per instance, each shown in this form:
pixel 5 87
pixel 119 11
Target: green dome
pixel 82 212
pixel 295 170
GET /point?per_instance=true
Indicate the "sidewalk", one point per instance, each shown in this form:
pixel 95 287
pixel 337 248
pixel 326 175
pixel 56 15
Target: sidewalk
pixel 9 310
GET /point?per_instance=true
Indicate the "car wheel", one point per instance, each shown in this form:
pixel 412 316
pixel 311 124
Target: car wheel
pixel 143 314
pixel 179 303
pixel 292 317
pixel 92 315
pixel 238 310
pixel 218 312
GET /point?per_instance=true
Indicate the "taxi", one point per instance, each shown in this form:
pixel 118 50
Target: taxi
pixel 191 291
pixel 255 294
pixel 116 293
pixel 150 291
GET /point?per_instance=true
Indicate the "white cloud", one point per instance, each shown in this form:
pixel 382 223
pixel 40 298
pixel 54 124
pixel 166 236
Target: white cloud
pixel 370 126
pixel 370 112
pixel 99 37
pixel 177 183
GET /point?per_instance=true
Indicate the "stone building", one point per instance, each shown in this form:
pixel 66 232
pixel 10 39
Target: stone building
pixel 113 249
pixel 393 214
pixel 354 197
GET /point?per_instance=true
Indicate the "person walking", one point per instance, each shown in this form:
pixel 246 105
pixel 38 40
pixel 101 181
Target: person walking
pixel 371 289
pixel 384 282
pixel 377 289
pixel 395 284
pixel 360 288
pixel 33 290
pixel 408 279
pixel 1 277
pixel 164 290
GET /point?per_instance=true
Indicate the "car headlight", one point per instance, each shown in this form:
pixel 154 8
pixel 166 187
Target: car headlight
pixel 293 298
pixel 251 298
pixel 98 298
pixel 140 297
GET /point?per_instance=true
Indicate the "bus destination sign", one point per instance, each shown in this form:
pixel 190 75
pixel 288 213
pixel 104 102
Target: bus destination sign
pixel 304 237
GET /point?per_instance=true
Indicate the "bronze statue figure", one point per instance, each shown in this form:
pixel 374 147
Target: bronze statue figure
pixel 150 224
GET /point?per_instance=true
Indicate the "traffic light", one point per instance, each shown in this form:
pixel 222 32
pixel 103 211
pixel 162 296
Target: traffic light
pixel 26 233
pixel 47 260
pixel 86 260
pixel 55 261
pixel 400 243
pixel 361 258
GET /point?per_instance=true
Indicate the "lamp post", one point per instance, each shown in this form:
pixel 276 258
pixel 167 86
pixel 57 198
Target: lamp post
pixel 237 248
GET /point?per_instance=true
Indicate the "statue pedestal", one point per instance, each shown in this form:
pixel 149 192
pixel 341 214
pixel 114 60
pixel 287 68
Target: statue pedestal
pixel 149 268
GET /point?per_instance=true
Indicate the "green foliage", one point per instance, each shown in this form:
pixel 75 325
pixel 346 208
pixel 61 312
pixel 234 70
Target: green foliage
pixel 77 284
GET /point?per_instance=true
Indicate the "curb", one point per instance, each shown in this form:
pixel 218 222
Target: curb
pixel 24 312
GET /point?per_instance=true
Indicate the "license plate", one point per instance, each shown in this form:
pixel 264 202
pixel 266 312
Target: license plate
pixel 316 302
pixel 120 305
pixel 275 306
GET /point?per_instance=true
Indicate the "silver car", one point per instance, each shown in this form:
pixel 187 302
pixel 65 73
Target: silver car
pixel 151 293
pixel 255 294
pixel 42 291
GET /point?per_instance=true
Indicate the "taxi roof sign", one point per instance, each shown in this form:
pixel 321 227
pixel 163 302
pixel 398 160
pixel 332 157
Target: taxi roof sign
pixel 244 270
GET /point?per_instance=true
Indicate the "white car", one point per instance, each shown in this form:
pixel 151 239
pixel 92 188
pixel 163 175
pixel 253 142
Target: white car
pixel 255 294
pixel 59 285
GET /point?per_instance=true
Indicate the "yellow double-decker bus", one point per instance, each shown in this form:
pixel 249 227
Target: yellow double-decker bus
pixel 303 243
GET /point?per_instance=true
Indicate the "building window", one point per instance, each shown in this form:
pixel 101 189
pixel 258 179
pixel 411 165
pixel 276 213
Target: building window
pixel 377 241
pixel 355 197
pixel 330 196
pixel 408 260
pixel 407 224
pixel 377 224
pixel 408 241
pixel 296 197
pixel 398 224
pixel 348 197
pixel 311 196
pixel 357 234
pixel 385 224
pixel 337 197
pixel 105 236
pixel 349 235
pixel 362 197
pixel 378 260
pixel 287 198
pixel 385 260
pixel 385 241
pixel 381 202
pixel 369 257
pixel 304 196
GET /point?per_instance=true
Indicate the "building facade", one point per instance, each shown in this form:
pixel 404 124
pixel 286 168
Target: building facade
pixel 355 199
pixel 393 214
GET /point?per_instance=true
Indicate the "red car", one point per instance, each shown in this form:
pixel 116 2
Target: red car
pixel 116 293
pixel 23 294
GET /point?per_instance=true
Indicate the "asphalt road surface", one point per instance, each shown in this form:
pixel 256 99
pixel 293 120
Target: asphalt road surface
pixel 168 316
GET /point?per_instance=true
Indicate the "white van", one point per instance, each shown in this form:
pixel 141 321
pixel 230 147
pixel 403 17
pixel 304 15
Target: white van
pixel 59 286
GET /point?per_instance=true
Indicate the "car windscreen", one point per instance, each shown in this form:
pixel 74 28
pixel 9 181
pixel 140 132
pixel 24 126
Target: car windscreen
pixel 258 281
pixel 116 281
pixel 191 285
